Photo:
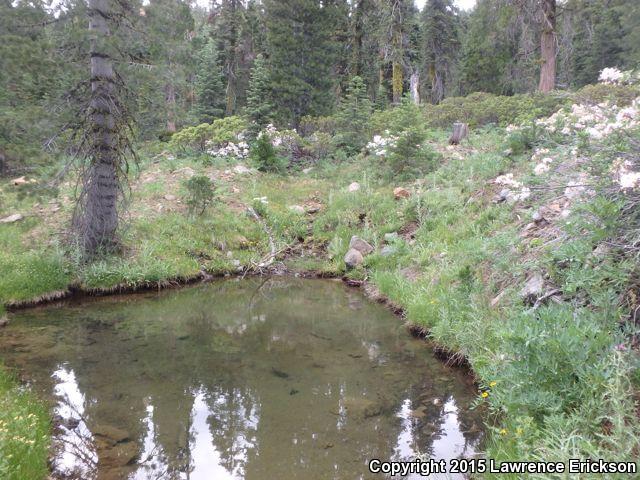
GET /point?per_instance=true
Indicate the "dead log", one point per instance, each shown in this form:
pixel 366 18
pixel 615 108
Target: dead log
pixel 460 132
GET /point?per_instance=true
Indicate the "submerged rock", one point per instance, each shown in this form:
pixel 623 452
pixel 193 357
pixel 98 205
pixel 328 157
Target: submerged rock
pixel 360 245
pixel 353 258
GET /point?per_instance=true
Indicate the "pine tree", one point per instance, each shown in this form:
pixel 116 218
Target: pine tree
pixel 440 46
pixel 302 53
pixel 210 92
pixel 353 116
pixel 259 107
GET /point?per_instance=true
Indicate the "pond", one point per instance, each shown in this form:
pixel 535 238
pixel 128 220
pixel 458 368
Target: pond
pixel 260 379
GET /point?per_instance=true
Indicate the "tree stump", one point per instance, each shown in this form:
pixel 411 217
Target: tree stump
pixel 460 132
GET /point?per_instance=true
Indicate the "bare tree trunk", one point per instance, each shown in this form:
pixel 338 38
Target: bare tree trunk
pixel 170 102
pixel 548 47
pixel 97 217
pixel 414 84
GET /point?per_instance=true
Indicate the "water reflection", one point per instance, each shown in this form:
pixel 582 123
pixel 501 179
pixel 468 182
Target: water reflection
pixel 253 380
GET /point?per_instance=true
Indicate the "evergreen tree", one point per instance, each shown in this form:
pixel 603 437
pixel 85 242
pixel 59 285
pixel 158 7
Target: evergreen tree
pixel 302 53
pixel 259 107
pixel 210 95
pixel 353 116
pixel 440 47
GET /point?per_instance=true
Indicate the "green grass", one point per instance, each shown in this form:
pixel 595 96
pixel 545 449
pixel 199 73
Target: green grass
pixel 24 432
pixel 554 382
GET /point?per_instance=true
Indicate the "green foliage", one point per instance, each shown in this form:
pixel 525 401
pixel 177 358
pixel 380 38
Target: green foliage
pixel 524 139
pixel 220 131
pixel 24 432
pixel 210 92
pixel 201 193
pixel 259 108
pixel 352 119
pixel 264 155
pixel 398 119
pixel 411 156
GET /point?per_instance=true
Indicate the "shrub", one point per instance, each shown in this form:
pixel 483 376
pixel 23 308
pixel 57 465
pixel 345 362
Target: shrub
pixel 523 139
pixel 310 125
pixel 481 108
pixel 398 119
pixel 201 193
pixel 264 156
pixel 410 156
pixel 221 131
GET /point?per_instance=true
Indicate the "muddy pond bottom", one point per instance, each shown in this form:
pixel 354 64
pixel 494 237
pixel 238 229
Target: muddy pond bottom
pixel 257 379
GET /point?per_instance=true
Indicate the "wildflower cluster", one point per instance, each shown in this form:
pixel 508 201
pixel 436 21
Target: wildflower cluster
pixel 380 144
pixel 279 138
pixel 543 161
pixel 238 150
pixel 613 76
pixel 514 190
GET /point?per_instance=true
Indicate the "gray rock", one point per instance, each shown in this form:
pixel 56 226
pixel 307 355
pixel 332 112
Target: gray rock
pixel 12 218
pixel 360 245
pixel 388 250
pixel 241 169
pixel 533 289
pixel 390 237
pixel 297 209
pixel 353 187
pixel 4 321
pixel 537 216
pixel 353 258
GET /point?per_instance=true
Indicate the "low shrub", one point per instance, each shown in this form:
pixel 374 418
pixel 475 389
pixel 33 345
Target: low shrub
pixel 201 193
pixel 264 155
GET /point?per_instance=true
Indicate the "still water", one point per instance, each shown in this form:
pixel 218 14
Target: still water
pixel 257 379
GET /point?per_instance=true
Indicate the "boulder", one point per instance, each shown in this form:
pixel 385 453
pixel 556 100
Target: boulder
pixel 400 193
pixel 169 198
pixel 354 187
pixel 360 245
pixel 12 218
pixel 533 289
pixel 296 209
pixel 353 258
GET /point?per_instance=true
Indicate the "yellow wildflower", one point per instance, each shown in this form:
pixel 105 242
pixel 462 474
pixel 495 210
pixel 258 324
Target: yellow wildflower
pixel 503 431
pixel 485 394
pixel 493 384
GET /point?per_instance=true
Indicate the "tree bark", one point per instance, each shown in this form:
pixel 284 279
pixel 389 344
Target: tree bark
pixel 414 86
pixel 460 132
pixel 548 47
pixel 170 102
pixel 99 214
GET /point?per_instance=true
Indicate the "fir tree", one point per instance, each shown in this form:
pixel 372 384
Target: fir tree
pixel 440 46
pixel 209 88
pixel 259 107
pixel 353 116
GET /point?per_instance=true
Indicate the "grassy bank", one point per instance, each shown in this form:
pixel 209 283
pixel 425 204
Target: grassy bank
pixel 24 432
pixel 535 206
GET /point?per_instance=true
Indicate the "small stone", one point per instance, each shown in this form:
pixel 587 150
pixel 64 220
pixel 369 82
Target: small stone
pixel 4 321
pixel 236 263
pixel 307 170
pixel 400 193
pixel 229 254
pixel 353 258
pixel 169 197
pixel 19 181
pixel 388 250
pixel 241 169
pixel 12 218
pixel 354 187
pixel 361 245
pixel 533 288
pixel 296 209
pixel 390 237
pixel 537 216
